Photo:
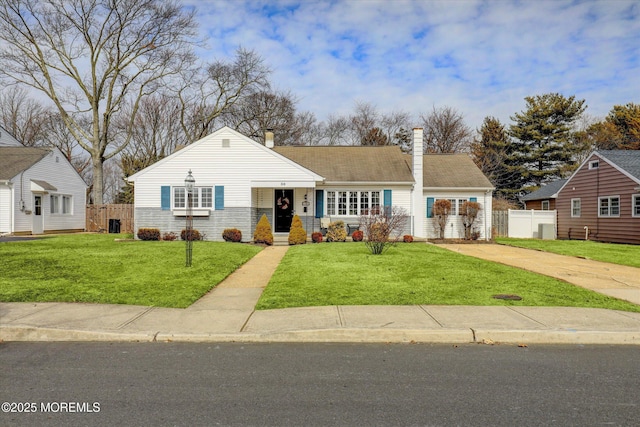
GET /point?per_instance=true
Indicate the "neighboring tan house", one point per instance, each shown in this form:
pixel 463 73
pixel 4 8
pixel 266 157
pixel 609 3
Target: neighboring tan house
pixel 602 199
pixel 544 198
pixel 40 191
pixel 238 180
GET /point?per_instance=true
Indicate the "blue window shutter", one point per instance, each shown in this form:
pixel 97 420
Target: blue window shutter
pixel 165 197
pixel 319 203
pixel 387 198
pixel 473 199
pixel 219 197
pixel 430 201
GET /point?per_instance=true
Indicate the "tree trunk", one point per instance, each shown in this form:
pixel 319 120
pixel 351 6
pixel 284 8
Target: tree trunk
pixel 98 182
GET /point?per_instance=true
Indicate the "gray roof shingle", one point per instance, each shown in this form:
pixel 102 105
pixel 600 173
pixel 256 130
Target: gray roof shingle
pixel 14 160
pixel 629 160
pixel 386 164
pixel 547 191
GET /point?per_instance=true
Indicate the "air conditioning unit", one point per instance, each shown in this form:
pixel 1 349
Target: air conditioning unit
pixel 546 231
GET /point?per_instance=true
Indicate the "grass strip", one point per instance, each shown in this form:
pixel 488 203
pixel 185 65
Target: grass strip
pixel 412 274
pixel 94 268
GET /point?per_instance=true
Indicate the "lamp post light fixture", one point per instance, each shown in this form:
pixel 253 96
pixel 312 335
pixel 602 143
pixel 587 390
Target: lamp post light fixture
pixel 189 185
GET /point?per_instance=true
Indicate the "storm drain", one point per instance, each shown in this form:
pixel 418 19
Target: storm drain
pixel 507 296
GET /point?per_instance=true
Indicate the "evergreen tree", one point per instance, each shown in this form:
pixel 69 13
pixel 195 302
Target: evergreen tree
pixel 543 137
pixel 493 152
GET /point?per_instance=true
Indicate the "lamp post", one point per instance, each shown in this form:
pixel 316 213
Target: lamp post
pixel 189 185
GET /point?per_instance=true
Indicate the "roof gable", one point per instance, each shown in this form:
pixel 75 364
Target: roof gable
pixel 14 160
pixel 352 164
pixel 624 160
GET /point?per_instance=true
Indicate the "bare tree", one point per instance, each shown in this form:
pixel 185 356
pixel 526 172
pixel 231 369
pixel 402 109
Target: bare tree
pixel 336 130
pixel 90 56
pixel 445 131
pixel 441 212
pixel 383 227
pixel 364 119
pixel 207 95
pixel 469 213
pixel 21 115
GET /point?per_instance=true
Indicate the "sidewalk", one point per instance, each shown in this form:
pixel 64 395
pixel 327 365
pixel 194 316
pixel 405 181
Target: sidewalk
pixel 227 314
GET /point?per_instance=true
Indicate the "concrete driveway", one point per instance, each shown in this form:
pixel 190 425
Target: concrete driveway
pixel 618 281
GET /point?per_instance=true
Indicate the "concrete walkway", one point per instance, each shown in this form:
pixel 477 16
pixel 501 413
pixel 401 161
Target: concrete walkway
pixel 227 314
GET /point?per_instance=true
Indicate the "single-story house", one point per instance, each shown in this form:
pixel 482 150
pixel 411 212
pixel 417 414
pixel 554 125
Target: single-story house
pixel 238 180
pixel 601 200
pixel 40 191
pixel 544 198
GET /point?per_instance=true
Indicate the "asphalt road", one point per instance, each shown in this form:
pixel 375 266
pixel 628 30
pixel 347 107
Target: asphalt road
pixel 317 384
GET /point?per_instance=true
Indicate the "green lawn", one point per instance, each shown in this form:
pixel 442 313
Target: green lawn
pixel 607 252
pixel 346 274
pixel 94 268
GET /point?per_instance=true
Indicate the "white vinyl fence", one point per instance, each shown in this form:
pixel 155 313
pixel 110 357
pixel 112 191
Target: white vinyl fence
pixel 532 224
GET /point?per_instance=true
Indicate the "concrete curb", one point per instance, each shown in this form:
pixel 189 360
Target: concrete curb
pixel 448 336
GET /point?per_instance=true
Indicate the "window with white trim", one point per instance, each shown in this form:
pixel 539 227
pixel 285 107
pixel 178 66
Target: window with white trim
pixel 635 205
pixel 202 198
pixel 594 164
pixel 456 205
pixel 66 205
pixel 545 205
pixel 609 206
pixel 60 204
pixel 54 203
pixel 576 208
pixel 351 203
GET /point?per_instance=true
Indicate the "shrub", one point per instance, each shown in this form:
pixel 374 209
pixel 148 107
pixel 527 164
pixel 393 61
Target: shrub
pixel 232 235
pixel 148 234
pixel 336 232
pixel 297 234
pixel 357 236
pixel 262 233
pixel 383 227
pixel 169 236
pixel 316 237
pixel 469 213
pixel 407 238
pixel 441 211
pixel 193 235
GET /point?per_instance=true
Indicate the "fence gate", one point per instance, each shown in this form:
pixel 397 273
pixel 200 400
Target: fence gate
pixel 110 218
pixel 500 223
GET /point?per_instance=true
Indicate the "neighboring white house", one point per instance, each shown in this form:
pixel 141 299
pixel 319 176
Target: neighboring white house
pixel 238 180
pixel 40 191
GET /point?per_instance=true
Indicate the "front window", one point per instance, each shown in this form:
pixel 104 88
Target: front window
pixel 609 206
pixel 456 206
pixel 545 205
pixel 54 202
pixel 202 197
pixel 351 203
pixel 576 208
pixel 66 204
pixel 636 205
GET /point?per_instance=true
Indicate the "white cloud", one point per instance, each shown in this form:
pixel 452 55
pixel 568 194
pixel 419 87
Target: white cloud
pixel 479 57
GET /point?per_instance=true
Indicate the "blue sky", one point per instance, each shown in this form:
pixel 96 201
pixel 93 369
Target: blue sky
pixel 479 57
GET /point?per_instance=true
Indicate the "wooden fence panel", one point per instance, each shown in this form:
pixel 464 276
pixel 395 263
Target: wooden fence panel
pixel 98 217
pixel 500 223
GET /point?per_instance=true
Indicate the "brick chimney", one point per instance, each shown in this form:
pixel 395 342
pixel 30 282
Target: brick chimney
pixel 418 201
pixel 268 138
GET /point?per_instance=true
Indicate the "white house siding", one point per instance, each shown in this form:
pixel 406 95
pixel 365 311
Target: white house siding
pixel 455 229
pixel 5 209
pixel 57 171
pixel 247 170
pixel 7 140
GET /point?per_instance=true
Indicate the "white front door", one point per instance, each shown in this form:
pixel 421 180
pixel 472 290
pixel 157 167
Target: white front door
pixel 38 218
